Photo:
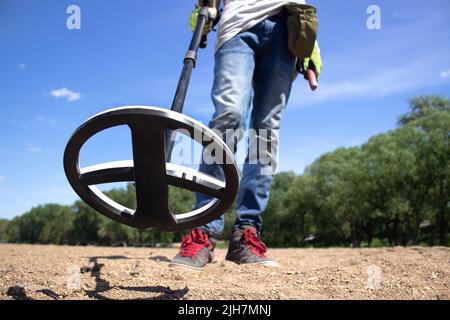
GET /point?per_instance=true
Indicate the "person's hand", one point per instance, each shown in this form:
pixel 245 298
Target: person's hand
pixel 314 62
pixel 194 18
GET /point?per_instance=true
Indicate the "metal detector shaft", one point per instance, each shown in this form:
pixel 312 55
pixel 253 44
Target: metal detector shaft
pixel 188 64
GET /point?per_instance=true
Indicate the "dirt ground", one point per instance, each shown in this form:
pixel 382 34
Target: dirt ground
pixel 64 272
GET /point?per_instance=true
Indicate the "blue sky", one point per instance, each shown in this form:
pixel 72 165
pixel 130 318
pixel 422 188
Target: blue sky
pixel 129 52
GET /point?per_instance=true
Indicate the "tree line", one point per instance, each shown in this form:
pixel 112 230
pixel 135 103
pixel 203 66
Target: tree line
pixel 392 190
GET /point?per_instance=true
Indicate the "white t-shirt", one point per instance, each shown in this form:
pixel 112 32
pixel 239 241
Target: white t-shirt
pixel 241 15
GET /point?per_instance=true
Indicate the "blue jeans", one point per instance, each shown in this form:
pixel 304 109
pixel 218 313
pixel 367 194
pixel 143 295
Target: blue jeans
pixel 254 65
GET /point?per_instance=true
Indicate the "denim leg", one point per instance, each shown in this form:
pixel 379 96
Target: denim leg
pixel 272 86
pixel 231 95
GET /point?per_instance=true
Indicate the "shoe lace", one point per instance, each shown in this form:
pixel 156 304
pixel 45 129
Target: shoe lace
pixel 256 245
pixel 193 242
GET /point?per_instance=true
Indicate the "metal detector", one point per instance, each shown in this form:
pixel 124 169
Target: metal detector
pixel 150 169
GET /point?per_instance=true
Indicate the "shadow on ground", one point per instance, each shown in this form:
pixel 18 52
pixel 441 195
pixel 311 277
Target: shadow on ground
pixel 102 286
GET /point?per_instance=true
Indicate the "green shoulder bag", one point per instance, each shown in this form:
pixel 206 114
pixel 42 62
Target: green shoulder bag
pixel 302 24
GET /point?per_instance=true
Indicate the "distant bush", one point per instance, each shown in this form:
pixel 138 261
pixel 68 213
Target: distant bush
pixel 3 227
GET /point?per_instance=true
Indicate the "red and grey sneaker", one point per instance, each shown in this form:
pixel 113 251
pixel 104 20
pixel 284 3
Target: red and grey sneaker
pixel 246 247
pixel 197 249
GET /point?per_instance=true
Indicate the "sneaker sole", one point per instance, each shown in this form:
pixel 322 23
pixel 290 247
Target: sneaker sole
pixel 185 267
pixel 272 264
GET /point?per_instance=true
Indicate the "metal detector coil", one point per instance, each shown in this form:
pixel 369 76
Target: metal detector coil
pixel 149 170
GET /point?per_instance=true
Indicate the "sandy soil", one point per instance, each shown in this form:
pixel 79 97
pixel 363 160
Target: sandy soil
pixel 63 272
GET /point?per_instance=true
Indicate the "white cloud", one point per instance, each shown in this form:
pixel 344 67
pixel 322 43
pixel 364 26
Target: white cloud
pixel 445 74
pixel 383 84
pixel 50 122
pixel 65 93
pixel 22 66
pixel 2 178
pixel 33 148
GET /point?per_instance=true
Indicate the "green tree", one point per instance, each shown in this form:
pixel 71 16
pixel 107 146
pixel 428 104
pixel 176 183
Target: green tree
pixel 3 230
pixel 301 201
pixel 340 181
pixel 275 218
pixel 390 169
pixel 430 142
pixel 49 223
pixel 424 106
pixel 86 223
